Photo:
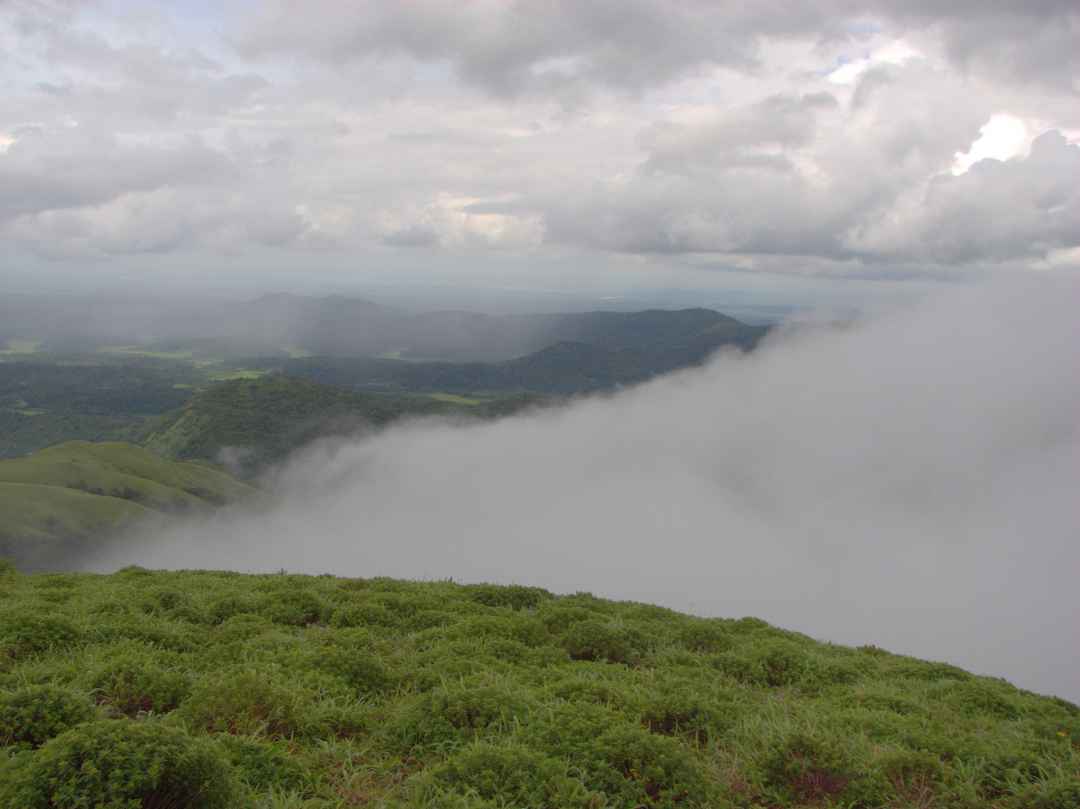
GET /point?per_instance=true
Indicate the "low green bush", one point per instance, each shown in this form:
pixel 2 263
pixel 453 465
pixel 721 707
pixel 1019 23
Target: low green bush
pixel 817 768
pixel 25 632
pixel 34 714
pixel 636 768
pixel 132 683
pixel 507 776
pixel 264 765
pixel 122 764
pixel 448 716
pixel 244 702
pixel 295 608
pixel 514 596
pixel 609 641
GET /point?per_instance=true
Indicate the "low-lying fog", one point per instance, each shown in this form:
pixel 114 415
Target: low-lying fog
pixel 912 482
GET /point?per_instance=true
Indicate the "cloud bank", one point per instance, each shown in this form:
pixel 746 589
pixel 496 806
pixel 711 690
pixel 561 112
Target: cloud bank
pixel 909 482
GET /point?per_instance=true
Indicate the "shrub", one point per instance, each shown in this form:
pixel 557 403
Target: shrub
pixel 1005 771
pixel 294 608
pixel 34 714
pixel 24 633
pixel 919 670
pixel 912 773
pixel 358 667
pixel 244 703
pixel 636 768
pixel 507 775
pixel 515 596
pixel 1060 793
pixel 222 609
pixel 683 712
pixel 774 662
pixel 447 716
pixel 263 765
pixel 558 617
pixel 594 639
pixel 593 690
pixel 362 615
pixel 121 764
pixel 705 635
pixel 130 683
pixel 983 696
pixel 813 769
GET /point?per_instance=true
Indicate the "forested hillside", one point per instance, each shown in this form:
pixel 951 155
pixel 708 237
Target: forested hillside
pixel 260 421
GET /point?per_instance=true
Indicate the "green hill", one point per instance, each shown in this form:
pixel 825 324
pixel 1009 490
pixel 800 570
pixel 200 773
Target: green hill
pixel 215 690
pixel 41 512
pixel 580 354
pixel 79 490
pixel 260 421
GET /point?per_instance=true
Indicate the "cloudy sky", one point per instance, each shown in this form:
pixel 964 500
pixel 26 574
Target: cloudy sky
pixel 826 145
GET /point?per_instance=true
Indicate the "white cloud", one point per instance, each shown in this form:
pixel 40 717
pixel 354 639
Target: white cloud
pixel 1002 137
pixel 893 53
pixel 640 128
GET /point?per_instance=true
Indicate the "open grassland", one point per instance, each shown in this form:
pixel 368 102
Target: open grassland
pixel 118 469
pixel 40 512
pixel 204 689
pixel 55 501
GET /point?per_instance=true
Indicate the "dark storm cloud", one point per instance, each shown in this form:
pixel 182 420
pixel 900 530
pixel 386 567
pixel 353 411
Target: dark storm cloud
pixel 510 46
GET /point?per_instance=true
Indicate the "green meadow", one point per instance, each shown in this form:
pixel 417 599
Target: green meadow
pixel 63 497
pixel 214 689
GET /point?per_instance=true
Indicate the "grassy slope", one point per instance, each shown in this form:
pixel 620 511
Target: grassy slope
pixel 39 512
pixel 55 500
pixel 126 471
pixel 322 692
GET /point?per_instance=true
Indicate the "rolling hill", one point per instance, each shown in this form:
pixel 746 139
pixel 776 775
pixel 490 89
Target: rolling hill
pixel 580 354
pixel 78 491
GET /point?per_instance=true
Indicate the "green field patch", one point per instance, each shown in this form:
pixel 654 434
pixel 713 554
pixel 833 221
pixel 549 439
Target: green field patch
pixel 237 373
pixel 20 347
pixel 139 351
pixel 455 398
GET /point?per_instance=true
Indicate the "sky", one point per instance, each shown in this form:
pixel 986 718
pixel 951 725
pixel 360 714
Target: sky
pixel 830 151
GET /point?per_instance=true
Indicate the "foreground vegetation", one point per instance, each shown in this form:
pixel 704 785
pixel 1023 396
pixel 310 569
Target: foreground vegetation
pixel 204 689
